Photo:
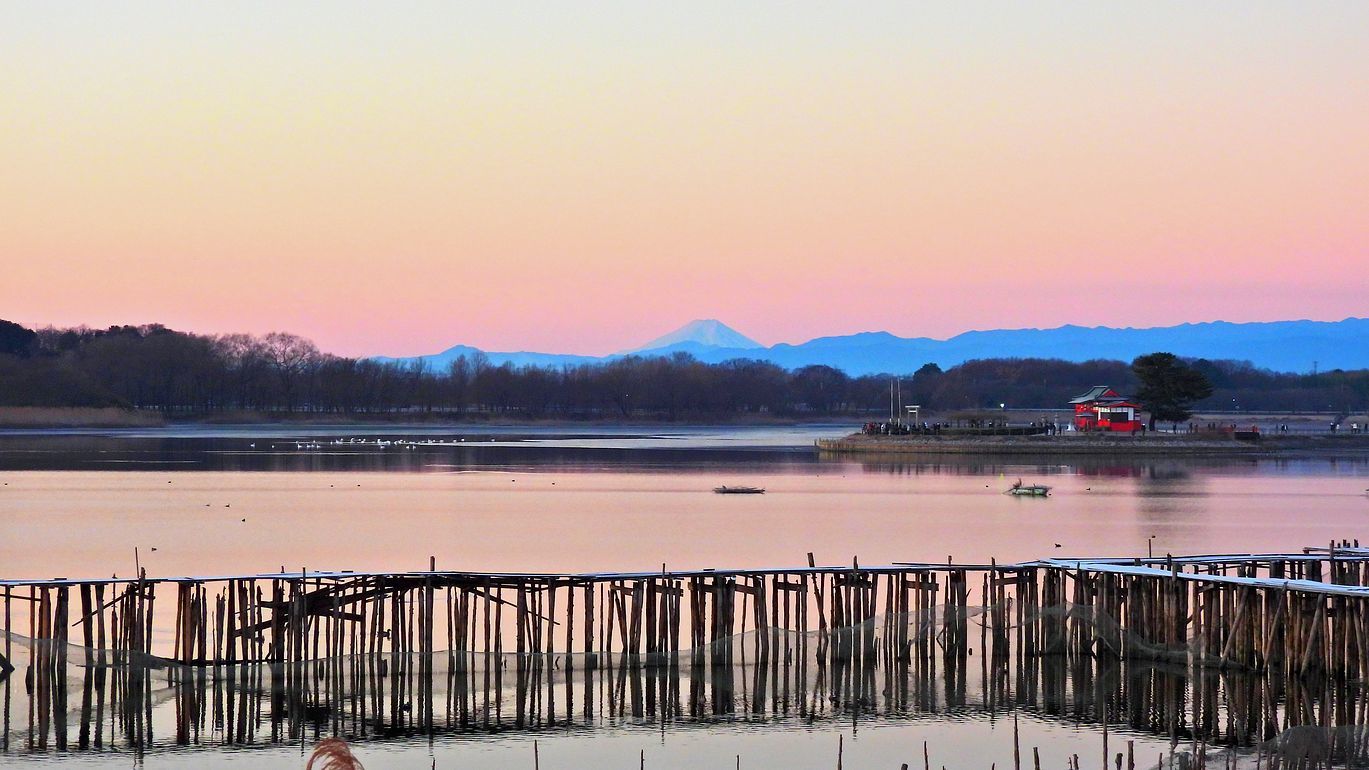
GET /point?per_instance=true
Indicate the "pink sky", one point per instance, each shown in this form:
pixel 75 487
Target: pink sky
pixel 397 181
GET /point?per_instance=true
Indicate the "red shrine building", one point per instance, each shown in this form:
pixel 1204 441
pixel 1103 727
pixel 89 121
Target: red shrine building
pixel 1103 409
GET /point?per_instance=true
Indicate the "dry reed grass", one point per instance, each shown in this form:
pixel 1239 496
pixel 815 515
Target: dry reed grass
pixel 75 417
pixel 333 754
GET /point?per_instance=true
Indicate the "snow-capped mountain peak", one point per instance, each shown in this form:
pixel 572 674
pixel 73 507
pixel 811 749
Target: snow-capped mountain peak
pixel 708 331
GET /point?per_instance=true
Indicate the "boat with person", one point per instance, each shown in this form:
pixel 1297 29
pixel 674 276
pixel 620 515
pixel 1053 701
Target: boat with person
pixel 1027 490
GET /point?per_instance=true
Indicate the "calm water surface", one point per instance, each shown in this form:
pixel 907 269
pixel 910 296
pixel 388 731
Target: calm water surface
pixel 510 499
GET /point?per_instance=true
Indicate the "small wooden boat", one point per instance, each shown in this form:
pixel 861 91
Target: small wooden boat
pixel 1028 490
pixel 725 490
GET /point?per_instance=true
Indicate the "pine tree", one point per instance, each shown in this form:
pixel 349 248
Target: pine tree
pixel 1169 387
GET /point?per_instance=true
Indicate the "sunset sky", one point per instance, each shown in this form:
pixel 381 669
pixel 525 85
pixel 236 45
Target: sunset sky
pixel 394 178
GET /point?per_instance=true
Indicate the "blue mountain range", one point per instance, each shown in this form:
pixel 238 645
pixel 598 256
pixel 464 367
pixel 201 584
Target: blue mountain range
pixel 1287 346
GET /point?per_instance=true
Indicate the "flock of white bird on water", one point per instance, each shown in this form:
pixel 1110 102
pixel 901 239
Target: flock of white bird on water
pixel 363 442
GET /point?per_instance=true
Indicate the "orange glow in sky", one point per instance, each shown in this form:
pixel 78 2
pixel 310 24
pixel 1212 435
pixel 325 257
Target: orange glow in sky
pixel 397 178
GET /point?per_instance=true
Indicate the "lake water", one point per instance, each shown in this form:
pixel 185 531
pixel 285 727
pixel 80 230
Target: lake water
pixel 240 500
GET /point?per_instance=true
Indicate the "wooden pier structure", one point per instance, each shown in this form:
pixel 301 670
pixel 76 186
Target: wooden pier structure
pixel 375 653
pixel 1302 612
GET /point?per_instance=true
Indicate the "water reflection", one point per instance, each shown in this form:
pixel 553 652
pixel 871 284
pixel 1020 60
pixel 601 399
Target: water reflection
pixel 55 707
pixel 1094 467
pixel 595 508
pixel 570 449
pixel 383 452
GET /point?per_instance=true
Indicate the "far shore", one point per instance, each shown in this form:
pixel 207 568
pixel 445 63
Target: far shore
pixel 20 420
pixel 1151 444
pixel 39 418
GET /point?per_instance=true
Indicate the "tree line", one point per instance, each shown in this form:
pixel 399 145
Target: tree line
pixel 177 373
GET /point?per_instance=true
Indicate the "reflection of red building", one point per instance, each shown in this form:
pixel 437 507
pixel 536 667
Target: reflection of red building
pixel 1102 409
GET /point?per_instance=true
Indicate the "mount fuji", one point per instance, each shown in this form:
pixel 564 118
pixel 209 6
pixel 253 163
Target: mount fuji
pixel 707 332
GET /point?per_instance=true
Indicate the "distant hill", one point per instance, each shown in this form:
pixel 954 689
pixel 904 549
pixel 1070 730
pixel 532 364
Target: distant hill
pixel 1288 346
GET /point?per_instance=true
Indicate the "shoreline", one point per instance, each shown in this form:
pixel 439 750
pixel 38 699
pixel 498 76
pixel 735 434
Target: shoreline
pixel 19 419
pixel 1148 445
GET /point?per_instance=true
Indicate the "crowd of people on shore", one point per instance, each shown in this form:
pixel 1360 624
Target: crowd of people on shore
pixel 896 428
pixel 901 428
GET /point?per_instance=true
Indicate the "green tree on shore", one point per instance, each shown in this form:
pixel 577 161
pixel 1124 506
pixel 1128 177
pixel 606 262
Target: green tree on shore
pixel 1169 387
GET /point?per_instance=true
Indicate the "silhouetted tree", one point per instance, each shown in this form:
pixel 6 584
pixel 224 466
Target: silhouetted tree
pixel 15 340
pixel 1168 387
pixel 745 385
pixel 291 358
pixel 822 388
pixel 459 375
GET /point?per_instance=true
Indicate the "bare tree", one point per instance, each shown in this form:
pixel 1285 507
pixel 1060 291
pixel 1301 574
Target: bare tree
pixel 292 358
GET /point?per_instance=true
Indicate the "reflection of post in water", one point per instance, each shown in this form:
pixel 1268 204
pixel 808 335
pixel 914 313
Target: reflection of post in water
pixel 955 632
